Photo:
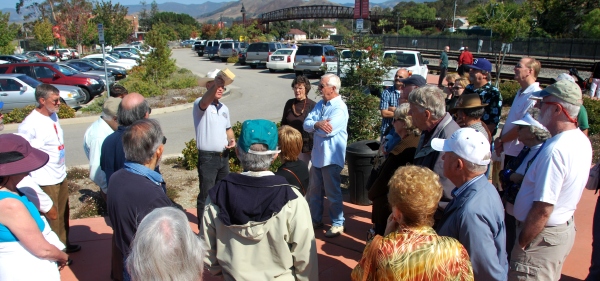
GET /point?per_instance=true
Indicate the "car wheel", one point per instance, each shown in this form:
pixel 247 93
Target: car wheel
pixel 87 95
pixel 243 63
pixel 271 70
pixel 253 66
pixel 200 54
pixel 211 58
pixel 223 59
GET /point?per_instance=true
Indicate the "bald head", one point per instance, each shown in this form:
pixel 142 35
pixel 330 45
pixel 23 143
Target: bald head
pixel 133 107
pixel 400 74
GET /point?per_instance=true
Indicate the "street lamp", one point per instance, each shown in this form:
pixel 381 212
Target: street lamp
pixel 454 17
pixel 243 11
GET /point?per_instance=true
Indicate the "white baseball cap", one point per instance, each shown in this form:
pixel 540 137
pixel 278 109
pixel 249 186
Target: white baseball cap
pixel 468 144
pixel 528 120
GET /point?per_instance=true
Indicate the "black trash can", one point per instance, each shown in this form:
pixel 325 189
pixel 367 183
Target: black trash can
pixel 359 156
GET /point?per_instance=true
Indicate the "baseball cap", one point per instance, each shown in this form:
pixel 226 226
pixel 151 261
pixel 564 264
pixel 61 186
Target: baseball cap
pixel 467 143
pixel 564 90
pixel 461 49
pixel 414 79
pixel 111 106
pixel 259 131
pixel 528 120
pixel 481 64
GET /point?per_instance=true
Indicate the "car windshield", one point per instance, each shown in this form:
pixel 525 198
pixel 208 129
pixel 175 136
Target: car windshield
pixel 402 59
pixel 66 70
pixel 29 81
pixel 283 52
pixel 113 56
pixel 111 59
pixel 310 51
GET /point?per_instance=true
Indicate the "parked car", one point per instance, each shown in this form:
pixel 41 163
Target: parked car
pixel 313 59
pixel 132 50
pixel 29 58
pixel 53 73
pixel 18 91
pixel 242 57
pixel 110 61
pixel 50 57
pixel 258 53
pixel 13 59
pixel 347 61
pixel 282 59
pixel 39 55
pixel 411 60
pixel 230 49
pixel 67 55
pixel 100 75
pixel 198 47
pixel 4 62
pixel 74 54
pixel 59 55
pixel 187 43
pixel 126 56
pixel 212 46
pixel 117 71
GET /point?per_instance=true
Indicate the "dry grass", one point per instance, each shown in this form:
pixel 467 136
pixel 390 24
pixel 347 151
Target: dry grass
pixel 77 173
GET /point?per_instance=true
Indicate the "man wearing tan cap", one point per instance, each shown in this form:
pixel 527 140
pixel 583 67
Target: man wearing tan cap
pixel 468 112
pixel 214 136
pixel 551 188
pixel 94 137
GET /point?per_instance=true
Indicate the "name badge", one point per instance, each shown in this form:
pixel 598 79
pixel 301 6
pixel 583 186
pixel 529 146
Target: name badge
pixel 61 154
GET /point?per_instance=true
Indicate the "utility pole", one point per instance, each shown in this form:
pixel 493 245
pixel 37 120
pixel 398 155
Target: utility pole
pixel 454 16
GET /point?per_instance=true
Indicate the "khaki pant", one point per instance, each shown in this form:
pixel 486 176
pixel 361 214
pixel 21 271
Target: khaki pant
pixel 543 258
pixel 59 193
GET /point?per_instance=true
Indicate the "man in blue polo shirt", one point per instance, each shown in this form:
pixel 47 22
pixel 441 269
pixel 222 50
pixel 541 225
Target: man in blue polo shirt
pixel 214 136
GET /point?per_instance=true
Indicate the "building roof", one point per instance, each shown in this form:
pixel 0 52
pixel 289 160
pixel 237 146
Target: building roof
pixel 295 31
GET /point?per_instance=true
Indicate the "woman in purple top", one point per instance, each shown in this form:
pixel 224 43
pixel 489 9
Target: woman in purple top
pixel 296 110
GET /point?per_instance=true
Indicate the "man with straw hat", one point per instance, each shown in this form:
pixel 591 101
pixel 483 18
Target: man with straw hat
pixel 214 136
pixel 468 112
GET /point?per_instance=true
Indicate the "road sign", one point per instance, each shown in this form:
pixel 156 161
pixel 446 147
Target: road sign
pixel 359 24
pixel 101 33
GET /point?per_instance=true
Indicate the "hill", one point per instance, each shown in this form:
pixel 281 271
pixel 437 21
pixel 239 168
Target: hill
pixel 194 10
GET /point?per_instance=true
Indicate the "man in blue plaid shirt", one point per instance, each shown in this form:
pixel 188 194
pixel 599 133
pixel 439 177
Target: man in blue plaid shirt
pixel 389 100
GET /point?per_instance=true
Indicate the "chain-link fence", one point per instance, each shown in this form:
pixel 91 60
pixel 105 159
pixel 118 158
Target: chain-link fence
pixel 538 47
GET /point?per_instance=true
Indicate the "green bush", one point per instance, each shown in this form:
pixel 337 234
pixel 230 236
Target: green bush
pixel 181 80
pixel 364 121
pixel 95 106
pixel 147 89
pixel 508 90
pixel 232 60
pixel 593 111
pixel 184 71
pixel 65 112
pixel 17 115
pixel 190 155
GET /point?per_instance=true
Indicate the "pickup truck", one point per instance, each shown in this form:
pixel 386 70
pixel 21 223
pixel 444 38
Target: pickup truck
pixel 199 47
pixel 410 60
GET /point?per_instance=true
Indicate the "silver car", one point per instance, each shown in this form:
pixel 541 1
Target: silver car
pixel 18 90
pixel 230 49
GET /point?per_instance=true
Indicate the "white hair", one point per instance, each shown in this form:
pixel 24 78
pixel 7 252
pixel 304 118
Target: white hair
pixel 572 109
pixel 429 98
pixel 334 80
pixel 166 248
pixel 255 162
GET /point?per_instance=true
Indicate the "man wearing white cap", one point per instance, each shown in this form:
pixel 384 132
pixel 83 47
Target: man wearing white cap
pixel 475 216
pixel 214 136
pixel 551 188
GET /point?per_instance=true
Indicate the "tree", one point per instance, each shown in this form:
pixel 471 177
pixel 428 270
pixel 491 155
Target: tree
pixel 591 24
pixel 8 33
pixel 236 31
pixel 31 9
pixel 42 31
pixel 382 24
pixel 414 10
pixel 408 30
pixel 561 18
pixel 158 65
pixel 209 31
pixel 116 27
pixel 73 20
pixel 153 9
pixel 144 17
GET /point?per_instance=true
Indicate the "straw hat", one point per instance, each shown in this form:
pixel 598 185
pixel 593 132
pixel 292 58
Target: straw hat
pixel 467 101
pixel 211 75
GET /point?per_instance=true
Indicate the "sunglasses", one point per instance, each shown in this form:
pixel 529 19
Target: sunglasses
pixel 450 84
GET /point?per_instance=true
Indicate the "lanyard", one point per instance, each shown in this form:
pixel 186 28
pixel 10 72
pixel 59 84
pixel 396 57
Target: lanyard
pixel 62 146
pixel 533 158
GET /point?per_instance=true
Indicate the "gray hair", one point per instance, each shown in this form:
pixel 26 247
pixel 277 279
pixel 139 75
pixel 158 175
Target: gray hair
pixel 126 116
pixel 429 98
pixel 572 109
pixel 476 168
pixel 141 140
pixel 44 91
pixel 166 248
pixel 255 162
pixel 401 113
pixel 539 133
pixel 334 80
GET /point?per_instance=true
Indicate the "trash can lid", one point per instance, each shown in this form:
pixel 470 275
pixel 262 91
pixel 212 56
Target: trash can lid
pixel 364 147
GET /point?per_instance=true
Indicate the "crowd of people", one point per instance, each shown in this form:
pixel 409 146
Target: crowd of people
pixel 436 215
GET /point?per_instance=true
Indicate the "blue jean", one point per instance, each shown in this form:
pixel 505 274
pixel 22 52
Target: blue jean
pixel 325 181
pixel 595 267
pixel 211 169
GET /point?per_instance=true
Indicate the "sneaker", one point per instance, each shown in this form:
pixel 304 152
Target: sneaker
pixel 335 231
pixel 317 225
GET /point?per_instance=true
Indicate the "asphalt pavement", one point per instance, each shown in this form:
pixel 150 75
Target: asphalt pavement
pixel 255 93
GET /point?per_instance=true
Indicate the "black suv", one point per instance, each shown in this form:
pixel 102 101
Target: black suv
pixel 313 58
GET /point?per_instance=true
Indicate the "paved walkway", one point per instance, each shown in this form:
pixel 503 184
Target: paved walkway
pixel 337 256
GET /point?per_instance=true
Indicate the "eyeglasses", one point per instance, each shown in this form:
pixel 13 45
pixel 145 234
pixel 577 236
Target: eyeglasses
pixel 56 101
pixel 149 110
pixel 541 103
pixel 450 84
pixel 164 140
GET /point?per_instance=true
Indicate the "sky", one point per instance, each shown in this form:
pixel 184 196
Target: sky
pixel 11 3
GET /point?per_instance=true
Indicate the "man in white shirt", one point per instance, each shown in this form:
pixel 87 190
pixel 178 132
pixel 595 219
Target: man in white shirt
pixel 551 188
pixel 526 72
pixel 42 129
pixel 93 138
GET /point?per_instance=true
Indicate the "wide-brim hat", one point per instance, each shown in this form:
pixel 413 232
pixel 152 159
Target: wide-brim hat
pixel 211 75
pixel 17 156
pixel 467 101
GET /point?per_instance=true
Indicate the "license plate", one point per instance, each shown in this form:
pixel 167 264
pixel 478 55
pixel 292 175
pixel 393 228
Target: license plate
pixel 307 60
pixel 277 58
pixel 256 61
